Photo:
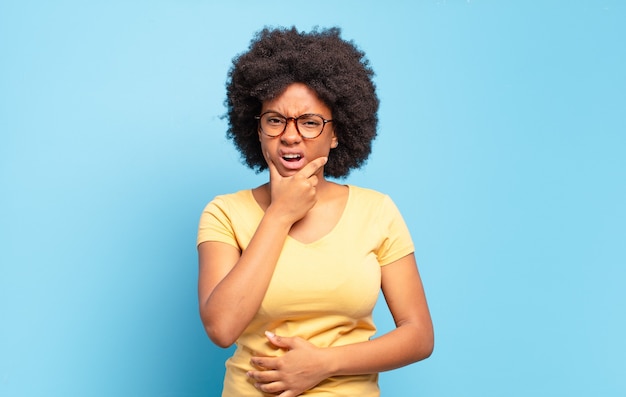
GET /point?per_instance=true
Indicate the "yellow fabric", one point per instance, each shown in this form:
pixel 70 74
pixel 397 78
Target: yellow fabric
pixel 323 292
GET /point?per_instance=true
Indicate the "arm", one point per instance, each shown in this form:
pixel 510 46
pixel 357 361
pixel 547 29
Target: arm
pixel 413 338
pixel 231 285
pixel 304 365
pixel 224 275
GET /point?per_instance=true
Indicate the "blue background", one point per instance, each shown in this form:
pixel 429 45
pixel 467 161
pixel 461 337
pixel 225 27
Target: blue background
pixel 502 140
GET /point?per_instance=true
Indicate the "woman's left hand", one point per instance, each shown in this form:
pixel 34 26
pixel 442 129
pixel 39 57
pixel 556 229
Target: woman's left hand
pixel 298 370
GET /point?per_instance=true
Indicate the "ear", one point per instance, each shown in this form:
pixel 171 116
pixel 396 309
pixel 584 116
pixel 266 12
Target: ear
pixel 334 141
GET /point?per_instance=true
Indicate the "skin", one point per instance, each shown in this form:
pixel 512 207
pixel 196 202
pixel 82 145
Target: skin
pixel 301 203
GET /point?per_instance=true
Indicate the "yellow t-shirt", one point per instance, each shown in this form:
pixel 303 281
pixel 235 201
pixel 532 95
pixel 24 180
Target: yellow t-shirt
pixel 323 292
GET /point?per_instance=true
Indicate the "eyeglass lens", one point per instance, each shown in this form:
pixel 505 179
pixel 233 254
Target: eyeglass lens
pixel 308 125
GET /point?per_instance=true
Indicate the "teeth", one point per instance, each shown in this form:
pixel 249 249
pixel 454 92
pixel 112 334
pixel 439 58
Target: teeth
pixel 291 156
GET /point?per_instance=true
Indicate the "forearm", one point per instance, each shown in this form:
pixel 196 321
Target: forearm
pixel 402 346
pixel 234 301
pixel 303 365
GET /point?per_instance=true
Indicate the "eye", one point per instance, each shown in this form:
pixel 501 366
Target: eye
pixel 274 120
pixel 310 121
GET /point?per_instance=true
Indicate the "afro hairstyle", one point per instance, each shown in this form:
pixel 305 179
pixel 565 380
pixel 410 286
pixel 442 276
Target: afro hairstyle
pixel 334 68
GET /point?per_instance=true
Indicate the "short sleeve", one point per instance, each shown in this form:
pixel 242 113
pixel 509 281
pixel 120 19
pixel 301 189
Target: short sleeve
pixel 396 242
pixel 215 224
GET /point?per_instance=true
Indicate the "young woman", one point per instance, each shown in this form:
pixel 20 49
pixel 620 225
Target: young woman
pixel 291 270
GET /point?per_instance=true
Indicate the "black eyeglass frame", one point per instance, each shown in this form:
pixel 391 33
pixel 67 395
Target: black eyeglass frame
pixel 295 122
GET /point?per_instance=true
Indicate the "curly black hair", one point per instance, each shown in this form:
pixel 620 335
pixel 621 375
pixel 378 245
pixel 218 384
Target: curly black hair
pixel 334 68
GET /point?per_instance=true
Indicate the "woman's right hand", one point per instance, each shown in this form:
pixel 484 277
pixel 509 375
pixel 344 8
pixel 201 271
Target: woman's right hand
pixel 225 271
pixel 293 196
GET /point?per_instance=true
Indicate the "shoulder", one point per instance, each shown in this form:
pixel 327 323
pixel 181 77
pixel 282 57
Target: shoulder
pixel 231 201
pixel 373 203
pixel 239 197
pixel 368 197
pixel 363 192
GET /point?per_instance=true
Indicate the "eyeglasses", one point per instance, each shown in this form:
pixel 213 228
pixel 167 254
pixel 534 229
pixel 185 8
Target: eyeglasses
pixel 309 125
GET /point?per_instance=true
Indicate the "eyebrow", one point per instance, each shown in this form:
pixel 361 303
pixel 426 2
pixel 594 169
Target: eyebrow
pixel 301 114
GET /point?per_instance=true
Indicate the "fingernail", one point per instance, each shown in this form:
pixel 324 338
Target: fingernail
pixel 269 334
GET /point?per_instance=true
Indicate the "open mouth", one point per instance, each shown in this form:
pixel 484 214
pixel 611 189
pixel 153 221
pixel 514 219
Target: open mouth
pixel 292 157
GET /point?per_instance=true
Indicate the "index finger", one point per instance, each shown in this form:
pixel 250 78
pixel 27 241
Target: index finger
pixel 311 169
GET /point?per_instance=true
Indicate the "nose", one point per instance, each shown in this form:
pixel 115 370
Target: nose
pixel 291 135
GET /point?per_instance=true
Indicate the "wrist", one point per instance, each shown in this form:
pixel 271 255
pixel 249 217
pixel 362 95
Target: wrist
pixel 279 218
pixel 332 361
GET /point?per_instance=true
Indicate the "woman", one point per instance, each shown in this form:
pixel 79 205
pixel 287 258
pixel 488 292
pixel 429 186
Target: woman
pixel 291 270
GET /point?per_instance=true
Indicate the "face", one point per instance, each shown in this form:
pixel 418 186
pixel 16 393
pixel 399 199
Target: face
pixel 290 152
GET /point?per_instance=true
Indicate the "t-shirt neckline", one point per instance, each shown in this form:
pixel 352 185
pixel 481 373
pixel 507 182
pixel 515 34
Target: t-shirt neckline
pixel 325 236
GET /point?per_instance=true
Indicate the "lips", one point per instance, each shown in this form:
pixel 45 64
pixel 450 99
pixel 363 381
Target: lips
pixel 292 160
pixel 291 157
